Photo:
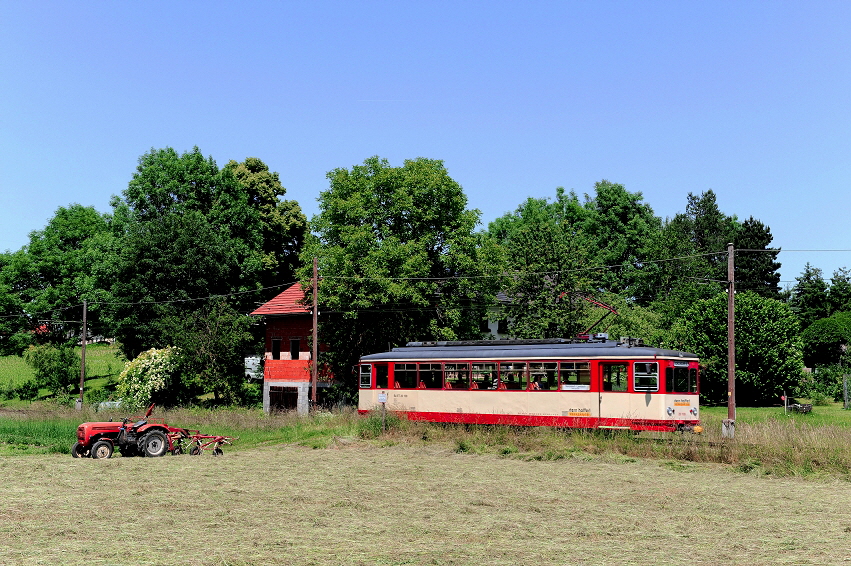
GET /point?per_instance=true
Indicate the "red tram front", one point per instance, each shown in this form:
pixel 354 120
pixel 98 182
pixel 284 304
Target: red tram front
pixel 557 382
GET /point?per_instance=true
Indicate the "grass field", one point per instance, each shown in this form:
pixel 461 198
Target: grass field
pixel 334 489
pixel 103 362
pixel 361 502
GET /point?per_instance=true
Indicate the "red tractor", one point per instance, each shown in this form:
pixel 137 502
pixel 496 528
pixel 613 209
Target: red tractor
pixel 145 437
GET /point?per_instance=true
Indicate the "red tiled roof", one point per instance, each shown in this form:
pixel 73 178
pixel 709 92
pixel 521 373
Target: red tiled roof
pixel 288 302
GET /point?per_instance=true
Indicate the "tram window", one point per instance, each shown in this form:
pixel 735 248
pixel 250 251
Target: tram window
pixel 365 376
pixel 512 375
pixel 405 376
pixel 431 376
pixel 484 376
pixel 543 376
pixel 681 380
pixel 381 372
pixel 646 376
pixel 614 377
pixel 457 376
pixel 575 376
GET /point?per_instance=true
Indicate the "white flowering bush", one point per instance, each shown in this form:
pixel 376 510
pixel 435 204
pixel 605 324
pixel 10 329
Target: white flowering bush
pixel 147 374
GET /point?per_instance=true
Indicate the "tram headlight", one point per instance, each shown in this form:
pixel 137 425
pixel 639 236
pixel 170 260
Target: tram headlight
pixel 693 411
pixel 670 411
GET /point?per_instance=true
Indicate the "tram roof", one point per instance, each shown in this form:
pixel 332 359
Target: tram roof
pixel 512 350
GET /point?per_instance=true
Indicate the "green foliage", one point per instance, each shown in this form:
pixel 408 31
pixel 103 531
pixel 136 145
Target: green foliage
pixel 768 347
pixel 56 368
pixel 839 294
pixel 826 339
pixel 394 245
pixel 28 390
pixel 212 340
pixel 544 251
pixel 825 381
pixel 809 298
pixel 283 226
pixel 48 278
pixel 145 378
pixel 756 270
pixel 619 226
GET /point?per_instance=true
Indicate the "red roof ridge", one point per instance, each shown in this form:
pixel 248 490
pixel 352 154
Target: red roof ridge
pixel 289 301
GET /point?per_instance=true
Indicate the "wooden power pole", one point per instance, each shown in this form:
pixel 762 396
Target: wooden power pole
pixel 729 424
pixel 82 360
pixel 314 370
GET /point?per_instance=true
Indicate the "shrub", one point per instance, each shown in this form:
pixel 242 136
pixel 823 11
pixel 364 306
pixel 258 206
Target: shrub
pixel 150 373
pixel 56 368
pixel 28 391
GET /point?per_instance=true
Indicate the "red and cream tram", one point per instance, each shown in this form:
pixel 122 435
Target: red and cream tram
pixel 598 383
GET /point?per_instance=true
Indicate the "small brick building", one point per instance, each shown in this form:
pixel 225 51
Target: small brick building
pixel 287 364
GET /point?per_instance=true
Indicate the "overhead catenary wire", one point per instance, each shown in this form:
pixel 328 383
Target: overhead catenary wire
pixel 637 264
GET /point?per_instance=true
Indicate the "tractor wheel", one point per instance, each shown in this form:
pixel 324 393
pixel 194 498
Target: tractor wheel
pixel 218 452
pixel 102 449
pixel 154 444
pixel 79 451
pixel 196 451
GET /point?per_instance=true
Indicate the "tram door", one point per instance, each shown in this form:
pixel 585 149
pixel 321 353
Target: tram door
pixel 612 387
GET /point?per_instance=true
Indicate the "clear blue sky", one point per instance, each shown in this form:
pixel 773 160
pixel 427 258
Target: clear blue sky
pixel 750 99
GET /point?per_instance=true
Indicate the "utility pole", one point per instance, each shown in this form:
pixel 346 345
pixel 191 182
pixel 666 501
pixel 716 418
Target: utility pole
pixel 728 425
pixel 82 360
pixel 314 373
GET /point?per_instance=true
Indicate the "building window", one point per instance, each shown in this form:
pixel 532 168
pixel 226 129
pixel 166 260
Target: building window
pixel 295 348
pixel 276 348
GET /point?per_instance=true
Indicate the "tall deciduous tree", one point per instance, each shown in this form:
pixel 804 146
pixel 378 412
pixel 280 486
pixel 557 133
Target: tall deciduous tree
pixel 549 261
pixel 191 232
pixel 50 276
pixel 620 226
pixel 283 226
pixel 398 259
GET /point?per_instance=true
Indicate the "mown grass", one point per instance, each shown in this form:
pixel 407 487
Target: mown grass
pixel 780 446
pixel 369 502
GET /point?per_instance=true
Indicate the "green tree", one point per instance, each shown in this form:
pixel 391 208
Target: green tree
pixel 283 226
pixel 839 293
pixel 46 280
pixel 809 298
pixel 398 258
pixel 213 340
pixel 190 231
pixel 56 368
pixel 548 261
pixel 619 225
pixel 769 355
pixel 755 263
pixel 826 339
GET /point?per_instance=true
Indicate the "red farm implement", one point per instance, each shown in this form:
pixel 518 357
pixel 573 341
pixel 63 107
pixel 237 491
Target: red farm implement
pixel 143 436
